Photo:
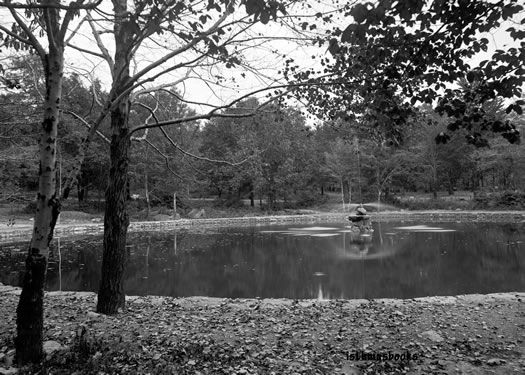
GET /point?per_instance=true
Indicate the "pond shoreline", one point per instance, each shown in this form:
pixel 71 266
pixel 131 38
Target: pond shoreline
pixel 468 334
pixel 71 228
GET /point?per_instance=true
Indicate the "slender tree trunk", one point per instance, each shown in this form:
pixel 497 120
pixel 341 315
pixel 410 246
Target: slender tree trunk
pixel 271 199
pixel 346 190
pixel 434 183
pixel 146 187
pixel 342 193
pixel 174 205
pixel 30 311
pixel 146 193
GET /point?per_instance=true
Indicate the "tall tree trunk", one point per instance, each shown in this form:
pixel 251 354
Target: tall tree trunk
pixel 111 295
pixel 30 311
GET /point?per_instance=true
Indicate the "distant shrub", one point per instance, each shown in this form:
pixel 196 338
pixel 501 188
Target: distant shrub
pixel 309 199
pixel 30 208
pixel 500 200
pixel 433 204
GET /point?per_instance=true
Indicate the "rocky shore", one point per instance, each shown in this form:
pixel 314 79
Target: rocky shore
pixel 66 228
pixel 471 334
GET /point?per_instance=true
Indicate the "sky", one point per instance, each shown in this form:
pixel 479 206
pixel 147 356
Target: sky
pixel 264 63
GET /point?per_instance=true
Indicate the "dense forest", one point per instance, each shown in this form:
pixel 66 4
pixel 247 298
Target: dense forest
pixel 277 158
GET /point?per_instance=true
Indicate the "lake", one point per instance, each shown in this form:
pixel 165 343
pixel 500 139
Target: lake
pixel 325 261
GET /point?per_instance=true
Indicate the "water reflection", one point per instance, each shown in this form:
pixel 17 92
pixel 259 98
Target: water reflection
pixel 295 262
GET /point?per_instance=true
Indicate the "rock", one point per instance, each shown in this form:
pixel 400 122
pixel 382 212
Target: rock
pixel 9 358
pixel 432 335
pixel 466 368
pixel 156 301
pixel 92 315
pixel 349 369
pixel 495 361
pixel 161 217
pixel 51 346
pixel 196 213
pixel 6 288
pixel 8 371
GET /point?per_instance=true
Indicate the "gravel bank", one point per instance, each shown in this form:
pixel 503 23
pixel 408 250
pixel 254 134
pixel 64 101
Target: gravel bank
pixel 473 334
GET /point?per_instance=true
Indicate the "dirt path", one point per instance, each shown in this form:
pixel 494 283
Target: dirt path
pixel 161 335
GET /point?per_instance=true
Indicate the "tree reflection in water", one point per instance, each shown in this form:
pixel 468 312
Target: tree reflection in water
pixel 300 262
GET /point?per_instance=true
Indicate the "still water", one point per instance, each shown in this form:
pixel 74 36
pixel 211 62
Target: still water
pixel 398 260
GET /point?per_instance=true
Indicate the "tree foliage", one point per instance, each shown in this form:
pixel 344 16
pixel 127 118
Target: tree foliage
pixel 419 50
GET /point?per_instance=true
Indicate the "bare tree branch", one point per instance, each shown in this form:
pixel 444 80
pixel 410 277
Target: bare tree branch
pixel 187 153
pixel 166 158
pixel 86 124
pixel 80 49
pixel 174 53
pixel 74 32
pixel 162 86
pixel 151 115
pixel 213 113
pixel 105 53
pixel 51 22
pixel 70 13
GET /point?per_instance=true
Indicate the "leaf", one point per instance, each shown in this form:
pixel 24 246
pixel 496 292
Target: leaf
pixel 359 13
pixel 265 17
pixel 333 46
pixel 346 37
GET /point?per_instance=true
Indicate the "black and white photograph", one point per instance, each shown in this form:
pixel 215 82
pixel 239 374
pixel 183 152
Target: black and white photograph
pixel 298 187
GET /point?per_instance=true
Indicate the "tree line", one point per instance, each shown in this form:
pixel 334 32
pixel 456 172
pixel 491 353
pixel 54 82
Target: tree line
pixel 277 156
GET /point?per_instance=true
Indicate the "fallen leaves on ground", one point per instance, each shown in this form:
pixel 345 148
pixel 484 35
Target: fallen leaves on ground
pixel 209 336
